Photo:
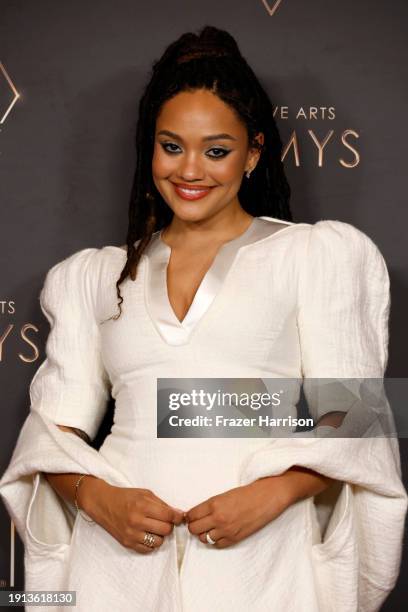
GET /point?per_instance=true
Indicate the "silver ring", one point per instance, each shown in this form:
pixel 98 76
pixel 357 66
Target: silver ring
pixel 209 538
pixel 149 539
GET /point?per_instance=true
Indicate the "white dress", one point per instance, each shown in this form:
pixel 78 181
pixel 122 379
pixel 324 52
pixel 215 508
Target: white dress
pixel 282 300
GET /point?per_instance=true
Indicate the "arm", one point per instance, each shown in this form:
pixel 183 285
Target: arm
pixel 299 482
pixel 64 484
pixel 115 508
pixel 249 507
pixel 342 320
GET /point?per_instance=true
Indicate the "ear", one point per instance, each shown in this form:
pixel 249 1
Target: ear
pixel 260 138
pixel 255 151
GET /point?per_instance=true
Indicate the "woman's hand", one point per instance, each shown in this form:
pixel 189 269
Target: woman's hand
pixel 235 514
pixel 128 513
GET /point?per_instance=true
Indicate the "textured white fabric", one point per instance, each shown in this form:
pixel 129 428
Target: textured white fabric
pixel 181 539
pixel 309 300
pixel 169 327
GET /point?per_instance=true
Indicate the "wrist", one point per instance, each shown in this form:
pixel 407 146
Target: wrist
pixel 277 491
pixel 90 493
pixel 287 490
pixel 302 483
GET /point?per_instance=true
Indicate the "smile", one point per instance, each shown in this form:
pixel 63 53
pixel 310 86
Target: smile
pixel 191 193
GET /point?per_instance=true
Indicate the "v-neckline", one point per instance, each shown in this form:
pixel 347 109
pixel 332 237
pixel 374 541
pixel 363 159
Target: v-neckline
pixel 172 330
pixel 208 278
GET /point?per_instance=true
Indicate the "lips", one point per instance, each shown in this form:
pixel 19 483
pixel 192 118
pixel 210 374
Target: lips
pixel 191 193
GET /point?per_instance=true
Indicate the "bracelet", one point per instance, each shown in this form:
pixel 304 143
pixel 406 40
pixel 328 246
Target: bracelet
pixel 76 500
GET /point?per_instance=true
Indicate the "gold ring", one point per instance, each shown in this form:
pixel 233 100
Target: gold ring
pixel 149 539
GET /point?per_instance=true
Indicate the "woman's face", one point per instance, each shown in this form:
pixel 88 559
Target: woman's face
pixel 200 155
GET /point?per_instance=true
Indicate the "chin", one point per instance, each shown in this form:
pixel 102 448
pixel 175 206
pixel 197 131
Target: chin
pixel 193 216
pixel 191 211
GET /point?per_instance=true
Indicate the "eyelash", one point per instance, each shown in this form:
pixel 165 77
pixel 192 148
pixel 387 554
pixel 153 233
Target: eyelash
pixel 225 151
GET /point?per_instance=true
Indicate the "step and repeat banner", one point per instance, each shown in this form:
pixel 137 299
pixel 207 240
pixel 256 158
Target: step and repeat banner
pixel 71 76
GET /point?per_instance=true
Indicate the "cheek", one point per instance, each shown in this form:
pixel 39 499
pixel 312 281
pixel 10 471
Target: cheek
pixel 162 165
pixel 228 170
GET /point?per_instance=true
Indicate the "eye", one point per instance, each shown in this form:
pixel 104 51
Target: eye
pixel 224 152
pixel 169 144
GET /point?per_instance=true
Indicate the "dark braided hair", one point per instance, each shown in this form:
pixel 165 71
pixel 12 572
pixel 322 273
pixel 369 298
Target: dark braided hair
pixel 209 60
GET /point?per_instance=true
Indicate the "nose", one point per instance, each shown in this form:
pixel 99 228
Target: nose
pixel 191 168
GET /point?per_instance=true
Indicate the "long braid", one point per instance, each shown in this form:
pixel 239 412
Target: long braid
pixel 209 60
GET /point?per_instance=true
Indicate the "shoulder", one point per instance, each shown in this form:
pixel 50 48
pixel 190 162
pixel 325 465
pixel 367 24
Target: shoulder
pixel 77 265
pixel 332 236
pixel 337 254
pixel 86 264
pixel 343 242
pixel 74 279
pixel 327 230
pixel 329 247
pixel 340 232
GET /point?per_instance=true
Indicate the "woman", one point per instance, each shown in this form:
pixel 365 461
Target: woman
pixel 215 281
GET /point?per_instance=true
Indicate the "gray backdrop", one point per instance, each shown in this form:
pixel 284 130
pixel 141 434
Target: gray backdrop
pixel 67 155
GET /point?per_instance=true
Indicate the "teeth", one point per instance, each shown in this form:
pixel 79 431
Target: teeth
pixel 191 191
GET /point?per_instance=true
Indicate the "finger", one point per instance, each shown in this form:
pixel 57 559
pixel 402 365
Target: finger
pixel 162 528
pixel 156 543
pixel 141 548
pixel 179 512
pixel 223 543
pixel 164 513
pixel 136 542
pixel 215 534
pixel 198 512
pixel 202 525
pixel 179 516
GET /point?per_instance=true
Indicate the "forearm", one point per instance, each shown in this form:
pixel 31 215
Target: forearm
pixel 65 484
pixel 299 482
pixel 303 482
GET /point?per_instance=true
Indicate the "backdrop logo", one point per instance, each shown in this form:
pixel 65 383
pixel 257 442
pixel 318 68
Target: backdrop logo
pixel 5 107
pixel 344 138
pixel 271 9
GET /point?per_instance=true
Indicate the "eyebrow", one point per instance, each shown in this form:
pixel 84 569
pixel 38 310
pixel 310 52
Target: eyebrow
pixel 206 138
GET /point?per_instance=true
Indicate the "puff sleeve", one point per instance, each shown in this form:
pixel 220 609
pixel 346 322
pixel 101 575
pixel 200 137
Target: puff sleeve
pixel 71 386
pixel 343 309
pixel 343 304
